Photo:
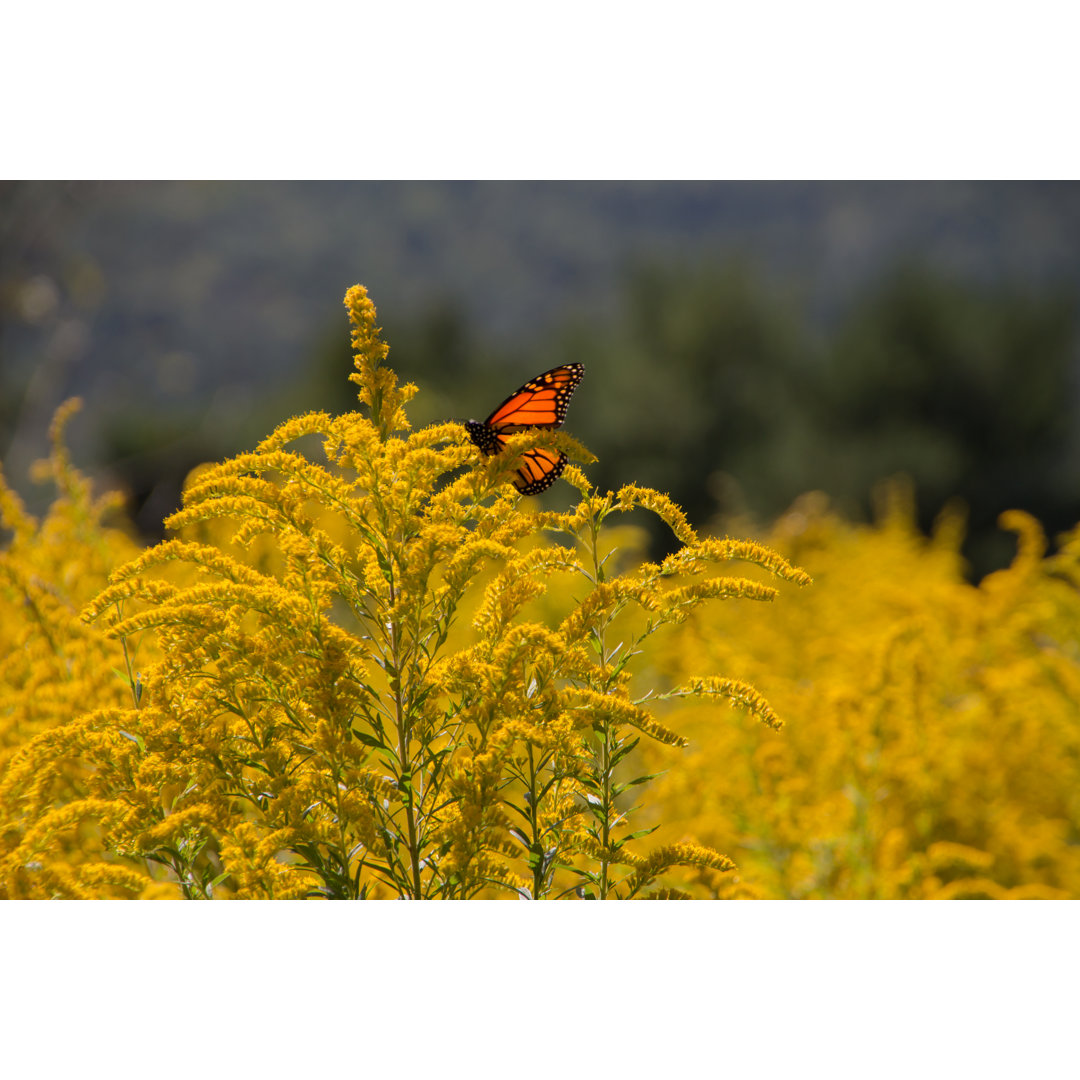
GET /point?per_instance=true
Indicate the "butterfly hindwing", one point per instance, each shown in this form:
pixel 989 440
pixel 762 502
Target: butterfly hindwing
pixel 539 469
pixel 542 403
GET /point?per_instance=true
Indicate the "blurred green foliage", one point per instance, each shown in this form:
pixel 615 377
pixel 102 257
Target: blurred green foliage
pixel 711 382
pixel 716 388
pixel 972 392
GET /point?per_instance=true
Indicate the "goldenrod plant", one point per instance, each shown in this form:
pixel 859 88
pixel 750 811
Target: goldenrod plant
pixel 934 744
pixel 367 667
pixel 54 667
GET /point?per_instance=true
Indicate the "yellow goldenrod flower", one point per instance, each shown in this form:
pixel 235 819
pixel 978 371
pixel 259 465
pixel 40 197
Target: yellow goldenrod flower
pixel 932 743
pixel 372 674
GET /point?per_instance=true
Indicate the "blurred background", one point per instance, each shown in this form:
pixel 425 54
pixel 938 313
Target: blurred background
pixel 744 342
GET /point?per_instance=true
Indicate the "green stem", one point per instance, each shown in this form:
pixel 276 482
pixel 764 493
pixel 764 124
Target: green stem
pixel 606 736
pixel 404 740
pixel 534 824
pixel 136 689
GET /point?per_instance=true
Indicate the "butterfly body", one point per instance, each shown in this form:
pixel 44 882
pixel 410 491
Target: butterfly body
pixel 540 403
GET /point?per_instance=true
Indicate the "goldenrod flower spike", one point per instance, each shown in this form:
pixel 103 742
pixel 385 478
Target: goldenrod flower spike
pixel 13 513
pixel 378 384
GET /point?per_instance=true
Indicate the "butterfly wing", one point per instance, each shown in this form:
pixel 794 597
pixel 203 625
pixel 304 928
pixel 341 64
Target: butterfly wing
pixel 538 470
pixel 541 402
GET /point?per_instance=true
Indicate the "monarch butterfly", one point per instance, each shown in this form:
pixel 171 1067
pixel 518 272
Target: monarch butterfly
pixel 540 403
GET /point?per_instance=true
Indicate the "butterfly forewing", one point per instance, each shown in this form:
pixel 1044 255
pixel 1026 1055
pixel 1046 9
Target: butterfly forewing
pixel 541 402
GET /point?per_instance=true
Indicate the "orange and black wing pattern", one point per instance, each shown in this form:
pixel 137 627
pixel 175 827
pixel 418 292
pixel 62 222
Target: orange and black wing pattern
pixel 541 403
pixel 539 469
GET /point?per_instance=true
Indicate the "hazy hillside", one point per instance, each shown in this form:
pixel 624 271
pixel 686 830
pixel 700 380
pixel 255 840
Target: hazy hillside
pixel 244 278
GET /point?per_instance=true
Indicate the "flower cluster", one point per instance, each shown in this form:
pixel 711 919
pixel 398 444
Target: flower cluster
pixel 54 668
pixel 375 671
pixel 934 743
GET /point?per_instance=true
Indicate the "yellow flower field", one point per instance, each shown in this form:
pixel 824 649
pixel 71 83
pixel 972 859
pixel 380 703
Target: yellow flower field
pixel 933 742
pixel 370 669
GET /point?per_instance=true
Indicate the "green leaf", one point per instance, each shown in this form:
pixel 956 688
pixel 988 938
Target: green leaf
pixel 136 739
pixel 640 833
pixel 522 813
pixel 638 780
pixel 366 739
pixel 521 836
pixel 624 749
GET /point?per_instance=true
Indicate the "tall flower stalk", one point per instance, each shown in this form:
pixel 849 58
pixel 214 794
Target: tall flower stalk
pixel 383 673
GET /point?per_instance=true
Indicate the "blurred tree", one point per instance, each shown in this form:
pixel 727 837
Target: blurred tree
pixel 971 391
pixel 49 291
pixel 700 392
pixel 715 388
